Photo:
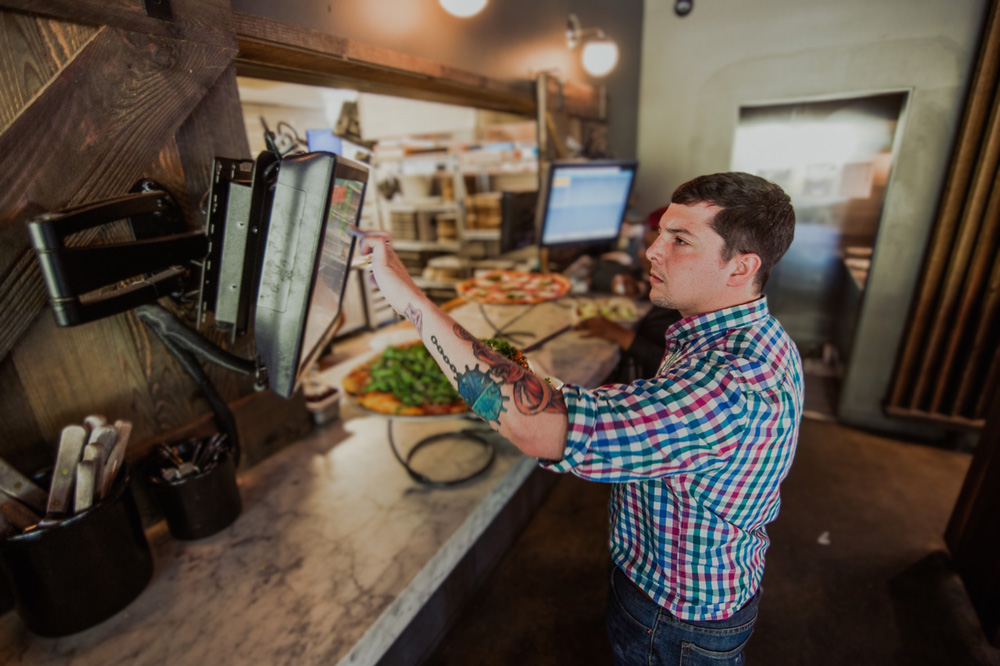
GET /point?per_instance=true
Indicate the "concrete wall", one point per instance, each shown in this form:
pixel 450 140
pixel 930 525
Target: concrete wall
pixel 698 70
pixel 509 40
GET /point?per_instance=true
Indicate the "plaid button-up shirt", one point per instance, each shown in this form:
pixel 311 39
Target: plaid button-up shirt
pixel 696 455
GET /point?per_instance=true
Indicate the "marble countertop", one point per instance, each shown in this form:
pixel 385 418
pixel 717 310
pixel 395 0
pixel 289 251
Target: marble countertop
pixel 336 549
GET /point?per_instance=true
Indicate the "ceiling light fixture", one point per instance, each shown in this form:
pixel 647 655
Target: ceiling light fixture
pixel 599 54
pixel 463 8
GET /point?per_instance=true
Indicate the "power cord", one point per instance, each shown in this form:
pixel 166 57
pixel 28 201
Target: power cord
pixel 450 483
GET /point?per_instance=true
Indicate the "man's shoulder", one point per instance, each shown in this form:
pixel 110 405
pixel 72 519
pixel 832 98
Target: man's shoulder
pixel 760 355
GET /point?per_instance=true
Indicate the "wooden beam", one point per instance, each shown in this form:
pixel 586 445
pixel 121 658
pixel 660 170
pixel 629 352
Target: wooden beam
pixel 272 50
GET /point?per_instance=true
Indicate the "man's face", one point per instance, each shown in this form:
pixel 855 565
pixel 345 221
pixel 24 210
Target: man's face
pixel 688 273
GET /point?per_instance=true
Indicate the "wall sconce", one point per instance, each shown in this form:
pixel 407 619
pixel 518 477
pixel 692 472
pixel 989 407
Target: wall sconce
pixel 463 8
pixel 599 54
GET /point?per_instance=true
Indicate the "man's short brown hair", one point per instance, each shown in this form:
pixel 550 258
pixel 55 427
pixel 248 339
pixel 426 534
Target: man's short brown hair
pixel 755 215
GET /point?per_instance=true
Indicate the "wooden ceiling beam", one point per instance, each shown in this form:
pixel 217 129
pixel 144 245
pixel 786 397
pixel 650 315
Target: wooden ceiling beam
pixel 273 50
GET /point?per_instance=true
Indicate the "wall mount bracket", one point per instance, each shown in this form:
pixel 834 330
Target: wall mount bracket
pixel 81 280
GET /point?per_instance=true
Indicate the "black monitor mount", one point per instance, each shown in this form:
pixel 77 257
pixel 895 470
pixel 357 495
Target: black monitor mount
pixel 83 281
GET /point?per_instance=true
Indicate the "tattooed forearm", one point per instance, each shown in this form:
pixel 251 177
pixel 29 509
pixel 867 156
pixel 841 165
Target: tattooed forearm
pixel 480 391
pixel 415 316
pixel 531 394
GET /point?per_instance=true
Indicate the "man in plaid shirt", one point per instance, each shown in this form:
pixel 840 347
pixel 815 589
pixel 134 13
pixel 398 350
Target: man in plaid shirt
pixel 696 453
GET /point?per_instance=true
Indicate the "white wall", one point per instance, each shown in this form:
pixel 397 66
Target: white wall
pixel 698 70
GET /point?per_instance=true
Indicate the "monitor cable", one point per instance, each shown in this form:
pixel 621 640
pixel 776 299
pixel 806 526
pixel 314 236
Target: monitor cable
pixel 464 434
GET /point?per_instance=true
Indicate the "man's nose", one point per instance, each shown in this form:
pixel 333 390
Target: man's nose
pixel 653 251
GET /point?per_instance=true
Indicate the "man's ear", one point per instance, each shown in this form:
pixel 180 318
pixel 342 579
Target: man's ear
pixel 745 267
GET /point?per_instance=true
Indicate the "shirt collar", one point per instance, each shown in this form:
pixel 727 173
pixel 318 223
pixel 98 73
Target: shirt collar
pixel 720 320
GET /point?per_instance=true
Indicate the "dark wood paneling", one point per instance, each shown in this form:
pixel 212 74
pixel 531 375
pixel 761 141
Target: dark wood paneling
pixel 32 50
pixel 21 445
pixel 88 135
pixel 215 128
pixel 201 21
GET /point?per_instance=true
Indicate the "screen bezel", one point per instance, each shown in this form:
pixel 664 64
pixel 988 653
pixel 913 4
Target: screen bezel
pixel 542 213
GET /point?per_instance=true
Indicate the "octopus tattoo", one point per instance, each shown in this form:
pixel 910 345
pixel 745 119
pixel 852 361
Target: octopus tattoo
pixel 531 395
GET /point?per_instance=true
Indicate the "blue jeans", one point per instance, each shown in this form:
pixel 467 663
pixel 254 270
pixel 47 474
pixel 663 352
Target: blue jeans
pixel 642 632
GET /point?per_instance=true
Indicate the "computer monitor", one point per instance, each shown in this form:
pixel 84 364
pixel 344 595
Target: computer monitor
pixel 324 140
pixel 517 220
pixel 280 255
pixel 584 203
pixel 306 261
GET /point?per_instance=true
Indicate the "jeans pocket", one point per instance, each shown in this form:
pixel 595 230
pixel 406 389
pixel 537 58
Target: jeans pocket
pixel 696 655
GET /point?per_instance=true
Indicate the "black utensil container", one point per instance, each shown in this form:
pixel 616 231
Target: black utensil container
pixel 79 572
pixel 201 504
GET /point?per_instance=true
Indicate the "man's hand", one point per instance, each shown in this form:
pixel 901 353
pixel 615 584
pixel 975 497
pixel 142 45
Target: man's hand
pixel 599 327
pixel 390 274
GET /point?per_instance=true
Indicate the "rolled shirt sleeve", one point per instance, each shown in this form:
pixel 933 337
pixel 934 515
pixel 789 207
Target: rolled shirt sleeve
pixel 688 419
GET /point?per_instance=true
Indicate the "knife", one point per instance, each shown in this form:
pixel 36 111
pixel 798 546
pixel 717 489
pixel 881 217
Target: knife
pixel 123 430
pixel 17 514
pixel 20 487
pixel 94 421
pixel 537 344
pixel 101 441
pixel 84 486
pixel 64 475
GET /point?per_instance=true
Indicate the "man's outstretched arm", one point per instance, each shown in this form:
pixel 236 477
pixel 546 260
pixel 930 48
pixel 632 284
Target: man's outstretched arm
pixel 519 405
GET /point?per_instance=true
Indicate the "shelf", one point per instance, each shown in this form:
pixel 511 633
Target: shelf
pixel 417 245
pixel 481 234
pixel 497 171
pixel 415 206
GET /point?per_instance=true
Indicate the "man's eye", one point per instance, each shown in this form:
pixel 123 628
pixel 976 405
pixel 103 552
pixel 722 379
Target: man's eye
pixel 680 241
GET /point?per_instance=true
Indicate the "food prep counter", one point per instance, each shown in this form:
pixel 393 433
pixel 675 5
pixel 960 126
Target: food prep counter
pixel 338 556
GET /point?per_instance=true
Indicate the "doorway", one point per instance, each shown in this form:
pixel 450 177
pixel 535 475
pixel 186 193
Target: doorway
pixel 834 158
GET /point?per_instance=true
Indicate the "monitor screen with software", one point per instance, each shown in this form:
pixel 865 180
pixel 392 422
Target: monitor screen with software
pixel 280 253
pixel 305 264
pixel 585 202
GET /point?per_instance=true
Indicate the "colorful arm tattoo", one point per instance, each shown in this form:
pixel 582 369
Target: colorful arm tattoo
pixel 481 389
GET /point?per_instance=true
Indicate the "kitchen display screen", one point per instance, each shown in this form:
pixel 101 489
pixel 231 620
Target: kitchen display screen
pixel 334 263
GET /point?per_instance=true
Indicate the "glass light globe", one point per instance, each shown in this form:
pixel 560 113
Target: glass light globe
pixel 463 8
pixel 599 56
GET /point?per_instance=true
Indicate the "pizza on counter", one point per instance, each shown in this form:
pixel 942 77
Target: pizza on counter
pixel 514 287
pixel 404 380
